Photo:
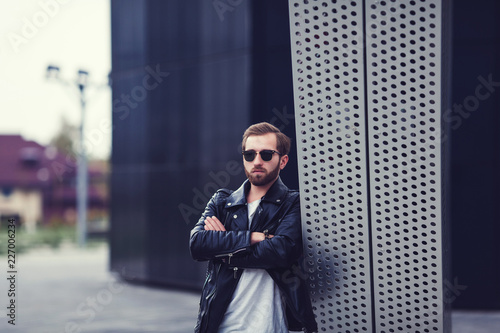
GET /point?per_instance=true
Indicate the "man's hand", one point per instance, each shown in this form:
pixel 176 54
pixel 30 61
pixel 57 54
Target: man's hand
pixel 213 223
pixel 257 237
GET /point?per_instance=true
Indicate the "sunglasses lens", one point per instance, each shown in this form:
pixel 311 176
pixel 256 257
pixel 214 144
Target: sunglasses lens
pixel 266 155
pixel 249 156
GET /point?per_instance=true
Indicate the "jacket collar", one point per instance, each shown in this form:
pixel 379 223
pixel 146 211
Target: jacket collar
pixel 275 194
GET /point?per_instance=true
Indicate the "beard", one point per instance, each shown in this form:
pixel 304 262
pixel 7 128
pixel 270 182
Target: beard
pixel 264 178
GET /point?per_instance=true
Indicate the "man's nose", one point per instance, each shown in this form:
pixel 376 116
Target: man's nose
pixel 258 160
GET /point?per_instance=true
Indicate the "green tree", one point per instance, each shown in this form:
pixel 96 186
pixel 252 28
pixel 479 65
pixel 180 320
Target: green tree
pixel 66 139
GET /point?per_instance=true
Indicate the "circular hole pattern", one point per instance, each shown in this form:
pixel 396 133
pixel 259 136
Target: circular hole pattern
pixel 327 46
pixel 402 67
pixel 403 99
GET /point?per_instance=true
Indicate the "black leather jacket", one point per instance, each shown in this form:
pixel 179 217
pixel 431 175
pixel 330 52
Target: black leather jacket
pixel 278 212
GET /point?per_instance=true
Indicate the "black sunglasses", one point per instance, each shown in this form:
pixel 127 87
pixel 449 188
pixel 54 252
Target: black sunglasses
pixel 266 155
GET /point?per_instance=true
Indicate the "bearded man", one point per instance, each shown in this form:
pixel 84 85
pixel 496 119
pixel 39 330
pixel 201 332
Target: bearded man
pixel 252 239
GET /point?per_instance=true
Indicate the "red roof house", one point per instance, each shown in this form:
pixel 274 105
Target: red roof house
pixel 38 184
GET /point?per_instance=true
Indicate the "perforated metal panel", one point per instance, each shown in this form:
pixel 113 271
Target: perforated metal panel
pixel 403 100
pixel 367 85
pixel 330 119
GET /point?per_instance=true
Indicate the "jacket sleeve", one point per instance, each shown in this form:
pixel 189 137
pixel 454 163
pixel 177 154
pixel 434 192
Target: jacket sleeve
pixel 282 250
pixel 209 244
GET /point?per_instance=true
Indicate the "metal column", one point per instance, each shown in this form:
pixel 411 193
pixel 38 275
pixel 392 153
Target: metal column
pixel 368 86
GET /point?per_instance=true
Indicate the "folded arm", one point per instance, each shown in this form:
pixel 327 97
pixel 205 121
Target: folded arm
pixel 282 250
pixel 209 239
pixel 213 223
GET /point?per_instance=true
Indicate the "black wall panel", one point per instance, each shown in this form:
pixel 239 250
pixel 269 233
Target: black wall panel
pixel 475 171
pixel 272 90
pixel 175 144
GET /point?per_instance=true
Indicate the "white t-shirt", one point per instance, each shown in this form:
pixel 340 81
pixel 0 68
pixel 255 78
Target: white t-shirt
pixel 256 305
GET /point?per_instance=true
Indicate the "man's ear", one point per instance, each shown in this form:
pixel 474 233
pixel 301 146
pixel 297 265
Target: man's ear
pixel 283 161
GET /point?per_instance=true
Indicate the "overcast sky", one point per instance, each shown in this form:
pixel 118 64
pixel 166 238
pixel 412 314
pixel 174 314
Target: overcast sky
pixel 71 34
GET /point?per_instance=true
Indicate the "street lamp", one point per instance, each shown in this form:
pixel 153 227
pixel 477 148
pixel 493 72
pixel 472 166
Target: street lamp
pixel 82 169
pixel 53 72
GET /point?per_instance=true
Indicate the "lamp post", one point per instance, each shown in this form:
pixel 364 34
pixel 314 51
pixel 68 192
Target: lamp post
pixel 82 169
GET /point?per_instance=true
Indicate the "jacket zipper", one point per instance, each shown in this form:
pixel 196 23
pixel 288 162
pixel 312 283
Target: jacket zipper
pixel 230 255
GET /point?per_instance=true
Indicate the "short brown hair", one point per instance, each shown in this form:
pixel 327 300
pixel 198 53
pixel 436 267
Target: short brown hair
pixel 282 141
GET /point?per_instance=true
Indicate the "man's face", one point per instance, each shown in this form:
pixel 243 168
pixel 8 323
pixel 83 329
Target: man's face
pixel 258 171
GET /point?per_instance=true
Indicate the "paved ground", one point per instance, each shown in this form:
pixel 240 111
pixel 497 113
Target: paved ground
pixel 72 291
pixel 476 322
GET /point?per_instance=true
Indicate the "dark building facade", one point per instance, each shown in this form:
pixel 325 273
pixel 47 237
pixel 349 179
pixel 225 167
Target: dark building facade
pixel 190 76
pixel 475 154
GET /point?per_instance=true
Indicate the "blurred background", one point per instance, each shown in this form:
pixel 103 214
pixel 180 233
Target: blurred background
pixel 169 87
pixel 41 116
